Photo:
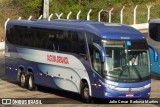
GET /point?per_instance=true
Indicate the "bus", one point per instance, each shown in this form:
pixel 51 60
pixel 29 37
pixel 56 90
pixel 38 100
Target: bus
pixel 154 40
pixel 86 57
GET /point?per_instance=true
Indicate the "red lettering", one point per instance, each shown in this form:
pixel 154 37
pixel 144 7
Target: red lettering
pixel 49 57
pixel 66 60
pixel 57 59
pixel 54 58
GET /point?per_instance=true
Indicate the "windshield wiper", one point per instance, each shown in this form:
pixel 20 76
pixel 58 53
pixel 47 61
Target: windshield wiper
pixel 137 72
pixel 122 72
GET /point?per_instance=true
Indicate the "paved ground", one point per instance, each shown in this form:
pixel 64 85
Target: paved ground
pixel 10 89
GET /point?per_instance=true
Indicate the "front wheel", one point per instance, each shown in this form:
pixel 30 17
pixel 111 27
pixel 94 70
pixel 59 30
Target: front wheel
pixel 85 93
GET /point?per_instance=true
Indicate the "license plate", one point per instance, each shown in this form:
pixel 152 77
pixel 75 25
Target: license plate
pixel 129 95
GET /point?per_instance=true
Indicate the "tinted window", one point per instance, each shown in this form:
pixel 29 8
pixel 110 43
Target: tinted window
pixel 154 31
pixel 15 34
pixel 76 42
pixel 138 45
pixel 91 38
pixel 34 37
pixel 52 39
pixel 94 54
pixel 38 36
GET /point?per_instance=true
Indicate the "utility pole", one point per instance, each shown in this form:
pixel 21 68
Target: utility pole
pixel 45 9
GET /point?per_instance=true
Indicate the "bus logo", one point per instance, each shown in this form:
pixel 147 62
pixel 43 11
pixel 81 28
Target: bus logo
pixel 130 89
pixel 57 59
pixel 6 101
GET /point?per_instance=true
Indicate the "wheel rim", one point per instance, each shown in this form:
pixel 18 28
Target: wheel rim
pixel 22 79
pixel 30 82
pixel 86 93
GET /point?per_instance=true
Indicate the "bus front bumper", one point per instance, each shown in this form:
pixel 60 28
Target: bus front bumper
pixel 110 93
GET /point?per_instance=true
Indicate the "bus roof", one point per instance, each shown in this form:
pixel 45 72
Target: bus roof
pixel 104 30
pixel 154 20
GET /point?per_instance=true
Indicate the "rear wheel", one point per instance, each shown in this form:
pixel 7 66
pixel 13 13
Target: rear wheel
pixel 85 93
pixel 30 82
pixel 22 80
pixel 18 74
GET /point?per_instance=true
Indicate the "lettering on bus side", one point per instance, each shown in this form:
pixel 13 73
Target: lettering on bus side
pixel 57 59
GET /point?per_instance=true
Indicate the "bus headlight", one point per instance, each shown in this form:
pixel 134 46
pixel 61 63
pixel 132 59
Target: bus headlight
pixel 107 85
pixel 110 86
pixel 147 86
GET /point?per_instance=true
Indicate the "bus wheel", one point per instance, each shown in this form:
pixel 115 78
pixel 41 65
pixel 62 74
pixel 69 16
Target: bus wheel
pixel 85 93
pixel 31 85
pixel 18 74
pixel 22 80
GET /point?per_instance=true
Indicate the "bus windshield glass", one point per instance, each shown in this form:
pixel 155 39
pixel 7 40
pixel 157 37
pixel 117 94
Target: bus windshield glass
pixel 126 60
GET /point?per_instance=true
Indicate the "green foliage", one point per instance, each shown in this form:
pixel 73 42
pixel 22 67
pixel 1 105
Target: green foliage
pixel 29 7
pixel 25 8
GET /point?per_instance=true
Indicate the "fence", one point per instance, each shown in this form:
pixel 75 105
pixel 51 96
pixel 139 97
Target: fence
pixel 109 16
pixel 2 46
pixel 135 25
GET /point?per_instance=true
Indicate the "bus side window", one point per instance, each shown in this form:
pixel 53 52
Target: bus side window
pixel 93 52
pixel 81 45
pixel 54 39
pixel 96 61
pixel 71 42
pixel 50 43
pixel 10 35
pixel 65 42
pixel 74 42
pixel 20 32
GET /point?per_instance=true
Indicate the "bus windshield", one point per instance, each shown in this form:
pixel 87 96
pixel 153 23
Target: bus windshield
pixel 126 60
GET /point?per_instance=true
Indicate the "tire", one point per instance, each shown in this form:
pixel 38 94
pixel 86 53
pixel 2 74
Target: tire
pixel 22 80
pixel 30 82
pixel 18 75
pixel 85 93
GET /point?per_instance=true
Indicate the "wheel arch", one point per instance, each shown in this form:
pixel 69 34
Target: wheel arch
pixel 85 80
pixel 30 70
pixel 20 70
pixel 30 73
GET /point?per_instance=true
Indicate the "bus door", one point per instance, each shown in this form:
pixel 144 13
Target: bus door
pixel 98 58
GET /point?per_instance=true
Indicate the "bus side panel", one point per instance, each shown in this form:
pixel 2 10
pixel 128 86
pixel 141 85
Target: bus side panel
pixel 10 70
pixel 39 79
pixel 155 68
pixel 13 61
pixel 54 69
pixel 10 62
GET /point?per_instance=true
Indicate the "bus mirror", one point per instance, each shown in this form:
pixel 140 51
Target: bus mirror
pixel 101 50
pixel 155 53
